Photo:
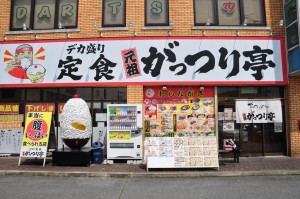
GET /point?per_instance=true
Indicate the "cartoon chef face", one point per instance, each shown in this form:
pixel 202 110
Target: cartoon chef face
pixel 24 55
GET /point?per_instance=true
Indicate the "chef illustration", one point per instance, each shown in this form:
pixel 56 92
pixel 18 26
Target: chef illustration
pixel 22 65
pixel 22 60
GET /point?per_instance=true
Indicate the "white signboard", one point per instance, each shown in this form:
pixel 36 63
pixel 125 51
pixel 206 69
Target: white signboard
pixel 171 60
pixel 258 111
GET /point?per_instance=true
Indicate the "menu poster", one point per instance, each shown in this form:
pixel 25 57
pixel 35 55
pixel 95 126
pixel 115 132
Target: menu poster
pixel 181 162
pixel 152 151
pixel 228 125
pixel 220 116
pixel 185 151
pixel 150 112
pixel 228 114
pixel 10 122
pixel 151 141
pixel 196 161
pixel 209 140
pixel 211 161
pixel 180 111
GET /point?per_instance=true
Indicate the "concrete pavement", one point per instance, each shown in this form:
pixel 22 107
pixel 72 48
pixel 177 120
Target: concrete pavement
pixel 249 166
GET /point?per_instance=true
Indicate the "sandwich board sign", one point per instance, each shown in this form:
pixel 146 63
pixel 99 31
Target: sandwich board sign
pixel 36 136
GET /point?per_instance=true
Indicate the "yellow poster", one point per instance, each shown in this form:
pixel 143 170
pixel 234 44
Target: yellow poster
pixel 119 135
pixel 36 134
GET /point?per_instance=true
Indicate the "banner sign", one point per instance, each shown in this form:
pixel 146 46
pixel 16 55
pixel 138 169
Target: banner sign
pixel 144 60
pixel 8 108
pixel 10 122
pixel 40 107
pixel 258 111
pixel 175 95
pixel 36 134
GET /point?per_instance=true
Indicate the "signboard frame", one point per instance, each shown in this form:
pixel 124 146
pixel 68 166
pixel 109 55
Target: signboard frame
pixel 38 135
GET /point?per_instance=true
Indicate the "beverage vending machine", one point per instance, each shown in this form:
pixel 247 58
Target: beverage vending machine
pixel 124 132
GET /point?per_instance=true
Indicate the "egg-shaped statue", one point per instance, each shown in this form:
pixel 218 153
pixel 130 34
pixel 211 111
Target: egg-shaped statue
pixel 76 123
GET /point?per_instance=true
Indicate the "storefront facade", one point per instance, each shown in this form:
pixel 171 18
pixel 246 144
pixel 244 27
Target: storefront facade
pixel 116 62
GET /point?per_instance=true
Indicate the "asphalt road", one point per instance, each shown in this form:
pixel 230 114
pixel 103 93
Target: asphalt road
pixel 247 187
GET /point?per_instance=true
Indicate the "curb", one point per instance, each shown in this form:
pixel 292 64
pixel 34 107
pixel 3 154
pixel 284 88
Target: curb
pixel 149 174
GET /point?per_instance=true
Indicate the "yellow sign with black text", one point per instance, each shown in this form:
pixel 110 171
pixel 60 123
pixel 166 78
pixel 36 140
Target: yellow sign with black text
pixel 36 134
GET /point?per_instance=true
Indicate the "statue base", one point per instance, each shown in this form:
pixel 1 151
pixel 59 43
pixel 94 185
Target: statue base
pixel 72 157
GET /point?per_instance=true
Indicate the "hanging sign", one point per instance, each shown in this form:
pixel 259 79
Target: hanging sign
pixel 258 111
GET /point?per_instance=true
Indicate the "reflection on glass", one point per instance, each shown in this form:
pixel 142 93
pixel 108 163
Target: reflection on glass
pixel 293 56
pixel 274 140
pixel 251 139
pixel 292 35
pixel 116 93
pixel 290 12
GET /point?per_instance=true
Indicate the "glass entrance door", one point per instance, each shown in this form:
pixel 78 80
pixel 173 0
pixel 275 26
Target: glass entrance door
pixel 251 139
pixel 262 139
pixel 274 136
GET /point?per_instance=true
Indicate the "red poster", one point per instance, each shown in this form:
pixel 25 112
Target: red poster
pixel 131 63
pixel 175 95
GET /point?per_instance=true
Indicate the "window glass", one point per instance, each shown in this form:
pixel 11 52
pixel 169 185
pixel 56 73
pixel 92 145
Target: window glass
pixel 274 92
pixel 228 91
pixel 11 95
pixel 67 13
pixel 33 95
pixel 249 91
pixel 253 11
pixel 114 13
pixel 293 56
pixel 84 93
pixel 204 11
pixel 98 94
pixel 50 94
pixel 97 105
pixel 44 14
pixel 292 35
pixel 157 12
pixel 66 93
pixel 229 12
pixel 116 94
pixel 290 12
pixel 21 13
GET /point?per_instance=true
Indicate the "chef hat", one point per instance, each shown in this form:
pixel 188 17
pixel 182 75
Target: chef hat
pixel 24 47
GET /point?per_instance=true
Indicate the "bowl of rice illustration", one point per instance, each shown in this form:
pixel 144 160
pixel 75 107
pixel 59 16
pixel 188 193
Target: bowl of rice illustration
pixel 36 73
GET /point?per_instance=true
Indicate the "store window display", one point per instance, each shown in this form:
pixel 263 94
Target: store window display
pixel 254 138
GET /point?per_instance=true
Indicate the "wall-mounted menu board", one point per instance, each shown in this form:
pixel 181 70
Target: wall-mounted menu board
pixel 11 133
pixel 181 152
